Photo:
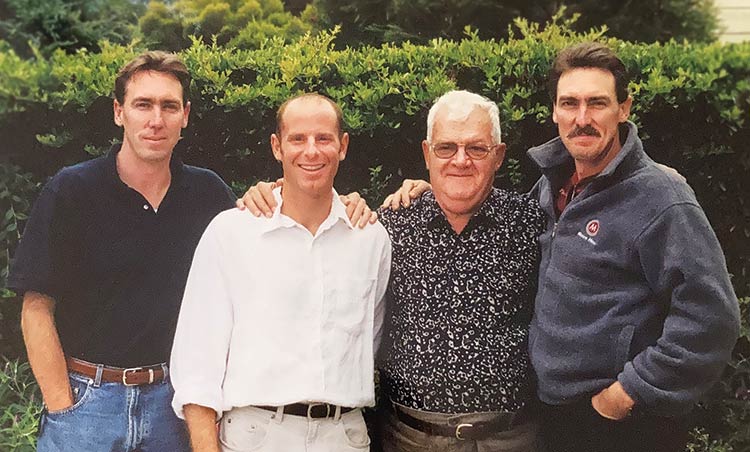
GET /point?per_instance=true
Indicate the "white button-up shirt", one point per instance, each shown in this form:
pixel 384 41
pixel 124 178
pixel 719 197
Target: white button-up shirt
pixel 273 315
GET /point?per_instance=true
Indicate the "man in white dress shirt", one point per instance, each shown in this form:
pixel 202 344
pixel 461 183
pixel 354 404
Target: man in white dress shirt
pixel 281 316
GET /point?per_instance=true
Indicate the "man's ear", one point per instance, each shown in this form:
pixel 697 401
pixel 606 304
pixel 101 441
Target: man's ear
pixel 625 109
pixel 276 147
pixel 344 146
pixel 186 114
pixel 500 155
pixel 117 111
pixel 554 112
pixel 426 153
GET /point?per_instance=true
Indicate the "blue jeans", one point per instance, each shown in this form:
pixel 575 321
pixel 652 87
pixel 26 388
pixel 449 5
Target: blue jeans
pixel 112 417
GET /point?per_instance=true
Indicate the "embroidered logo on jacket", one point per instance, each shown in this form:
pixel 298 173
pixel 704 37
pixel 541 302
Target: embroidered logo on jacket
pixel 592 228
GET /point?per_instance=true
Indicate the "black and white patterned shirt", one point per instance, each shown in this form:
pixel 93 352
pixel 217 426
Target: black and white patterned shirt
pixel 460 305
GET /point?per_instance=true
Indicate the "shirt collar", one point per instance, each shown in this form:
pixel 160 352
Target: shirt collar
pixel 280 221
pixel 490 208
pixel 176 168
pixel 553 153
pixel 432 214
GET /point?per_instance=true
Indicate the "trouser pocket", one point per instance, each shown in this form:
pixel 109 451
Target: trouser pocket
pixel 245 429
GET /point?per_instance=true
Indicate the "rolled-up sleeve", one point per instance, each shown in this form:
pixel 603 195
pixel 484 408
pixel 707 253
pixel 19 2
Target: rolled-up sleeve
pixel 204 328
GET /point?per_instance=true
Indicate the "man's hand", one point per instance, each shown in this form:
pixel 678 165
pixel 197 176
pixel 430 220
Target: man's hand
pixel 613 402
pixel 201 423
pixel 259 199
pixel 59 401
pixel 357 210
pixel 410 189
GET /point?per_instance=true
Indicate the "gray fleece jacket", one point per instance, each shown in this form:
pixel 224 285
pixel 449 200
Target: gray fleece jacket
pixel 633 286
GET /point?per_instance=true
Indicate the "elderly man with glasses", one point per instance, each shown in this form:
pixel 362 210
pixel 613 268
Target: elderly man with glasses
pixel 455 375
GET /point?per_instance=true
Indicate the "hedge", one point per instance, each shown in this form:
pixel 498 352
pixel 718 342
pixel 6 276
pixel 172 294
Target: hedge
pixel 691 103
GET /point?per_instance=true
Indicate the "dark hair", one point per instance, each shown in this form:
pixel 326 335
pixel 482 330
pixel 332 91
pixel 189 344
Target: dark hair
pixel 589 55
pixel 157 61
pixel 336 109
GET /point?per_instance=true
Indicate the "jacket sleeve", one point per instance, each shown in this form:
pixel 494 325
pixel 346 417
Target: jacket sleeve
pixel 682 261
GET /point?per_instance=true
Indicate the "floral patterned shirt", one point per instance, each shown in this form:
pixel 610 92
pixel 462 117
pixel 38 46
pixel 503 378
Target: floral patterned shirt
pixel 460 305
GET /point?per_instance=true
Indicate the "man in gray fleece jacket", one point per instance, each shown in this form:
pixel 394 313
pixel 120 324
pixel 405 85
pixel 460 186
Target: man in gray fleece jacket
pixel 635 316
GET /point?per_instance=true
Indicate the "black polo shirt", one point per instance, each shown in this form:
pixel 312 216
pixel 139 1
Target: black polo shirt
pixel 116 267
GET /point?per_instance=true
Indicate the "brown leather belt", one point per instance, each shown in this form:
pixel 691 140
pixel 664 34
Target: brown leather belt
pixel 312 410
pixel 132 376
pixel 463 431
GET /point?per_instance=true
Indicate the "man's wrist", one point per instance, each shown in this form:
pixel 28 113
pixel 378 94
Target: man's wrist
pixel 59 403
pixel 623 397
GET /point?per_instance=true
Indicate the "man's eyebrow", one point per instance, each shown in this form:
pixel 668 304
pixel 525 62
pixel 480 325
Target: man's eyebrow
pixel 168 100
pixel 585 99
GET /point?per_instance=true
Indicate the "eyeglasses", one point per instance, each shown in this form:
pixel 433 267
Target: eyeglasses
pixel 475 151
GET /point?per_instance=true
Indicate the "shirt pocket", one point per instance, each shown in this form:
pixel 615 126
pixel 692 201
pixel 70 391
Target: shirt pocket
pixel 352 304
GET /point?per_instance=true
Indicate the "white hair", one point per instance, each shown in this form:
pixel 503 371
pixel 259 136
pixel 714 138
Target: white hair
pixel 460 105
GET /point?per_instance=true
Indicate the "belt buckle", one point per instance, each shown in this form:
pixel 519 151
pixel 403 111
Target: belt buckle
pixel 313 405
pixel 458 431
pixel 133 370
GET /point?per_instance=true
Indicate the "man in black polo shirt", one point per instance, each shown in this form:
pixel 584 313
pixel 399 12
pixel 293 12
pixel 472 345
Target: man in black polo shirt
pixel 102 268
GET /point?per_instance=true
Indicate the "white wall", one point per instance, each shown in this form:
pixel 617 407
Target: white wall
pixel 734 16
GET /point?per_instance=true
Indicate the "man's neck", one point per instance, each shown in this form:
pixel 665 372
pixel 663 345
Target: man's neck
pixel 457 217
pixel 150 179
pixel 458 212
pixel 308 210
pixel 584 171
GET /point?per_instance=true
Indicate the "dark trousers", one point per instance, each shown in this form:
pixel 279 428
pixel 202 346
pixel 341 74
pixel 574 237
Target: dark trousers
pixel 579 428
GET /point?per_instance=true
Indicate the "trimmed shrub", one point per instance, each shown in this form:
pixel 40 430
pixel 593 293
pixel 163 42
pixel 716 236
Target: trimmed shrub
pixel 691 102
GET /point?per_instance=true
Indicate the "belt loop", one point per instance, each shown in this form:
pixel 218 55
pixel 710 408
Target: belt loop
pixel 98 378
pixel 165 369
pixel 279 414
pixel 337 414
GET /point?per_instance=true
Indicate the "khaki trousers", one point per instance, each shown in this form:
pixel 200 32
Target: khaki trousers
pixel 249 429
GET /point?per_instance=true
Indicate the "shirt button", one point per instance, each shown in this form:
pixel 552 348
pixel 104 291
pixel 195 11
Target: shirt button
pixel 145 207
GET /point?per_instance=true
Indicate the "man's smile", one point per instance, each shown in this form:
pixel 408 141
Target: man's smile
pixel 312 167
